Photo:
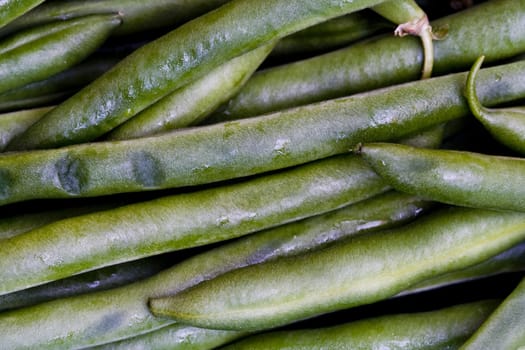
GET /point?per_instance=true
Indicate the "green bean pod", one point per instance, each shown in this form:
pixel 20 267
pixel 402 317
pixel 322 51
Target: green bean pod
pixel 507 125
pixel 181 221
pixel 504 327
pixel 228 150
pixel 446 328
pixel 455 177
pixel 57 87
pixel 174 60
pixel 358 271
pixel 193 102
pixel 138 16
pixel 15 123
pixel 44 51
pixel 12 9
pixel 383 61
pixel 121 313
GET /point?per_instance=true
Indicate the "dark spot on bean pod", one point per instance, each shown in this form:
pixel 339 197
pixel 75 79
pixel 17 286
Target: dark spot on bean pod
pixel 5 183
pixel 68 171
pixel 146 169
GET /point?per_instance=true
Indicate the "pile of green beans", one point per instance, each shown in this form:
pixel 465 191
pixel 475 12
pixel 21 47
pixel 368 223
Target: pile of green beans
pixel 246 174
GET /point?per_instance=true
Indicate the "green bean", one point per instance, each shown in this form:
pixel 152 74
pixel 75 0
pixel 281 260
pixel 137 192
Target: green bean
pixel 69 321
pixel 446 328
pixel 181 221
pixel 250 146
pixel 361 270
pixel 102 279
pixel 195 101
pixel 507 125
pixel 454 177
pixel 504 327
pixel 138 16
pixel 11 9
pixel 41 52
pixel 57 87
pixel 174 60
pixel 15 123
pixel 383 61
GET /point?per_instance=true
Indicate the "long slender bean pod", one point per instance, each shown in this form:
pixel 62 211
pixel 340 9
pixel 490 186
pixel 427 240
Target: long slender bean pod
pixel 181 221
pixel 174 60
pixel 454 177
pixel 361 270
pixel 507 125
pixel 138 16
pixel 250 146
pixel 504 327
pixel 44 51
pixel 195 101
pixel 384 61
pixel 126 308
pixel 446 328
pixel 12 9
pixel 15 123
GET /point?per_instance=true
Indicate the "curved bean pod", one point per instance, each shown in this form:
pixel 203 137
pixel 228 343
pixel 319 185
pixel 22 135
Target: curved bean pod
pixel 181 221
pixel 507 125
pixel 174 60
pixel 447 328
pixel 358 271
pixel 454 177
pixel 195 101
pixel 126 308
pixel 15 123
pixel 383 61
pixel 11 9
pixel 225 151
pixel 504 327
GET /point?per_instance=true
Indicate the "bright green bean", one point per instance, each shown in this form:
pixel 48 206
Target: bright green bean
pixel 11 9
pixel 250 146
pixel 504 327
pixel 44 51
pixel 174 60
pixel 441 329
pixel 454 177
pixel 361 270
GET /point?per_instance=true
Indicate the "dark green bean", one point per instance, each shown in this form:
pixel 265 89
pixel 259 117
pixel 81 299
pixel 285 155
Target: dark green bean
pixel 39 53
pixel 234 149
pixel 504 327
pixel 361 270
pixel 441 329
pixel 454 177
pixel 15 123
pixel 11 9
pixel 174 60
pixel 383 61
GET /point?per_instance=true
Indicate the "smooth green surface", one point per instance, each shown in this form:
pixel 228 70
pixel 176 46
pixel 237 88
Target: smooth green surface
pixel 250 146
pixel 15 123
pixel 454 177
pixel 66 323
pixel 191 103
pixel 444 329
pixel 83 243
pixel 44 51
pixel 504 329
pixel 12 9
pixel 174 60
pixel 384 61
pixel 359 271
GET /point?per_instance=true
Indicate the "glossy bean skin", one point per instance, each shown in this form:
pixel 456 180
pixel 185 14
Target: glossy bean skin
pixel 137 15
pixel 126 308
pixel 174 60
pixel 191 103
pixel 446 328
pixel 394 60
pixel 454 177
pixel 15 123
pixel 181 221
pixel 11 9
pixel 44 51
pixel 504 327
pixel 227 150
pixel 507 125
pixel 358 271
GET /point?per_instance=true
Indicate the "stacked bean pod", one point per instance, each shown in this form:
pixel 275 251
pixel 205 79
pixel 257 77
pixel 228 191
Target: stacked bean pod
pixel 173 176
